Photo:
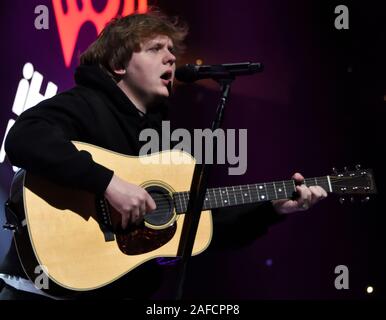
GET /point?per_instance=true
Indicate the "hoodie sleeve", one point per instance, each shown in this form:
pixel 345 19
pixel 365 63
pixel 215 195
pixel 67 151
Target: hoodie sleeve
pixel 40 142
pixel 235 227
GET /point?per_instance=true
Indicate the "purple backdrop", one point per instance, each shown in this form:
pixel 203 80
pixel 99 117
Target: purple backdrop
pixel 319 103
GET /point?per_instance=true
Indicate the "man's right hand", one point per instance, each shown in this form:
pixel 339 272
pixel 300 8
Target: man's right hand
pixel 130 200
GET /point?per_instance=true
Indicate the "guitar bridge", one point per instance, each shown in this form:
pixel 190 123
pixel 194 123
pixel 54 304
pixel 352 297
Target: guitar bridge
pixel 103 213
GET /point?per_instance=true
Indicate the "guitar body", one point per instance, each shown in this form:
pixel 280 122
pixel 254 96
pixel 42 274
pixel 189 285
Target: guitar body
pixel 63 233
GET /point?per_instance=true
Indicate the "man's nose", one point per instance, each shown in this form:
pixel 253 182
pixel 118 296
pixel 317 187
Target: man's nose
pixel 169 58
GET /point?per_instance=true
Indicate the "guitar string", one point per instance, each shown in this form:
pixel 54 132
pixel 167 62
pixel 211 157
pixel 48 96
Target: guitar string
pixel 247 188
pixel 213 200
pixel 237 192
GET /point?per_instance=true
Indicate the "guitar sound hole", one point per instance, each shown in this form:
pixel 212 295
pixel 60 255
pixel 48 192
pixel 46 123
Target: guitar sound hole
pixel 164 211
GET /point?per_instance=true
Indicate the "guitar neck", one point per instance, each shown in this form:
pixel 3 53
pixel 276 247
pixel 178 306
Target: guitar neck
pixel 250 193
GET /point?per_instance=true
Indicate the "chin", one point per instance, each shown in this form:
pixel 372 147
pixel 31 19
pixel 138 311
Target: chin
pixel 164 93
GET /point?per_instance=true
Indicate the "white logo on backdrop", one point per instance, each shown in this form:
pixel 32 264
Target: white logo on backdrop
pixel 27 95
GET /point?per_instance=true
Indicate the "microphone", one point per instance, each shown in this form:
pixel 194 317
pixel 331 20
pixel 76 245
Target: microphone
pixel 192 72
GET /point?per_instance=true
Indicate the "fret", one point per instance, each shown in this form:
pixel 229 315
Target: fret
pixel 329 183
pixel 257 192
pixel 242 195
pixel 285 191
pixel 326 184
pixel 274 187
pixel 222 200
pixel 234 194
pixel 249 192
pixel 316 181
pixel 266 193
pixel 215 198
pixel 229 199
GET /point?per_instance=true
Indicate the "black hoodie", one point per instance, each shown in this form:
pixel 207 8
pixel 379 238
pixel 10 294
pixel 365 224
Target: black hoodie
pixel 96 111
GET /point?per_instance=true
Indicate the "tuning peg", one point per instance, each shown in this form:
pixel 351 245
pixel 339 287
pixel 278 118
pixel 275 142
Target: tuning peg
pixel 358 167
pixel 335 170
pixel 365 200
pixel 352 199
pixel 345 169
pixel 342 200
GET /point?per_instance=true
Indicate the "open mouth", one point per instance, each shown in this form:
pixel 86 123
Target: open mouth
pixel 167 75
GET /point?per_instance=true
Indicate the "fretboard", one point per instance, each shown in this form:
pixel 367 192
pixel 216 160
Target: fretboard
pixel 246 194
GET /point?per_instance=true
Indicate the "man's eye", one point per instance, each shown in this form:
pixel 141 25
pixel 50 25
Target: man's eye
pixel 155 49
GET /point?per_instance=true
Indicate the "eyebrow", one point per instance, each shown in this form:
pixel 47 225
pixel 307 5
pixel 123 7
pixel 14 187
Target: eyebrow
pixel 158 43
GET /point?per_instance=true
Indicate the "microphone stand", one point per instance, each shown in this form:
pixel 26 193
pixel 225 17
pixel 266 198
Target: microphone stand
pixel 197 194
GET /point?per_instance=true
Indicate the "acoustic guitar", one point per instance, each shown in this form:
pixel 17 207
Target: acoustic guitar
pixel 73 233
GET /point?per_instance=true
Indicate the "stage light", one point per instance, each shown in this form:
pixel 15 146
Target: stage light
pixel 370 289
pixel 268 262
pixel 199 62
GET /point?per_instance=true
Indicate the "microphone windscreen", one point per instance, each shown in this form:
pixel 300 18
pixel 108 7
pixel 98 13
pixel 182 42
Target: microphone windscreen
pixel 186 73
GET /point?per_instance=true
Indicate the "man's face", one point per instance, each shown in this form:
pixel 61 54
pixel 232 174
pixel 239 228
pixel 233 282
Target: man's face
pixel 150 71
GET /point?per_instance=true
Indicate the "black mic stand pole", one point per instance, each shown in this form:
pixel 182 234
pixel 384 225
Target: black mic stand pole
pixel 197 195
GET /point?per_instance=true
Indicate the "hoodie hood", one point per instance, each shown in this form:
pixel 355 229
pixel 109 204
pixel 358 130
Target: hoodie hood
pixel 93 77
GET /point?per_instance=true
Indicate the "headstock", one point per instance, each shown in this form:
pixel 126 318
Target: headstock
pixel 356 182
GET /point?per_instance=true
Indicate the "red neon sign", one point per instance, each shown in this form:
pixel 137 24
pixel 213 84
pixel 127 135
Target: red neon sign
pixel 69 23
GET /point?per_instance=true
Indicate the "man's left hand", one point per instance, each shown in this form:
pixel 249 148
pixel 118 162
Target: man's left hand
pixel 307 197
